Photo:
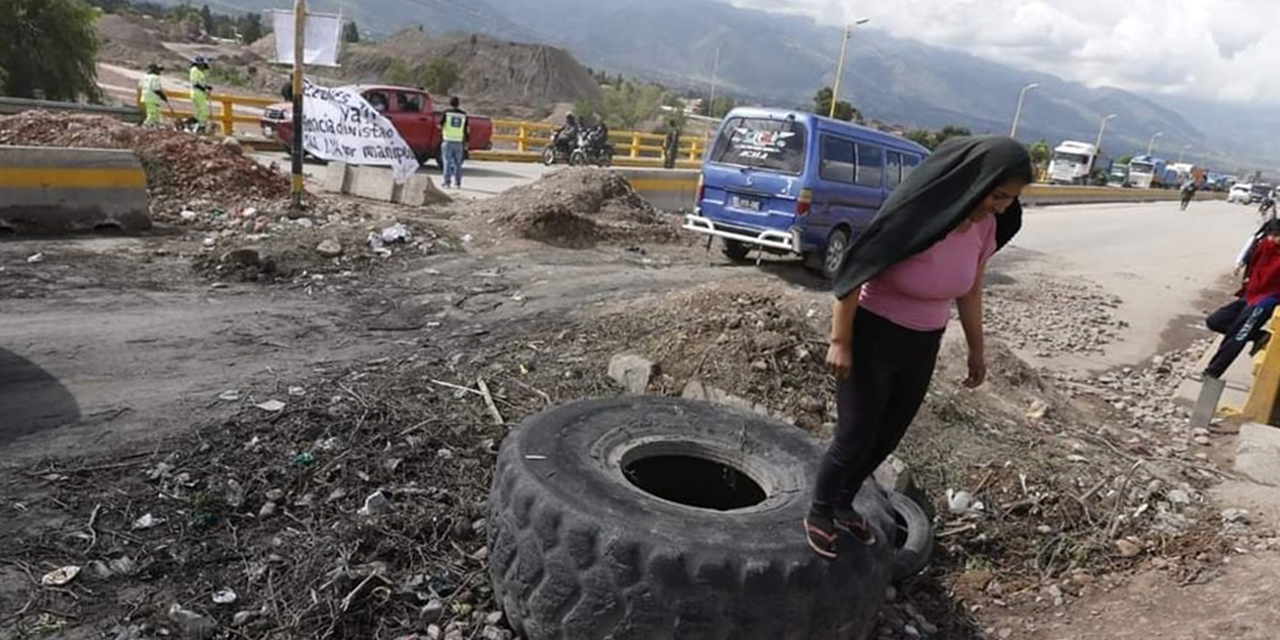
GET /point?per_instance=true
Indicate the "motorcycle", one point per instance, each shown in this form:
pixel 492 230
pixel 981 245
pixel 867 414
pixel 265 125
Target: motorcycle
pixel 561 149
pixel 593 148
pixel 1268 207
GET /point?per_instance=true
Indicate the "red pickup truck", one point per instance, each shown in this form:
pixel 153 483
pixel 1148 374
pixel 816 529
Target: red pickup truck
pixel 410 110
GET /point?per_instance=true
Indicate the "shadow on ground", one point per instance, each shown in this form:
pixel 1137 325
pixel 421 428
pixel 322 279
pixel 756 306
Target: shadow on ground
pixel 31 399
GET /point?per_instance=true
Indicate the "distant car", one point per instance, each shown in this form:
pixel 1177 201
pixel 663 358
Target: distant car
pixel 1239 193
pixel 1258 192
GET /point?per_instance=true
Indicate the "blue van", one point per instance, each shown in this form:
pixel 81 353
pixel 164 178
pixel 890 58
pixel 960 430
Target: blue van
pixel 790 182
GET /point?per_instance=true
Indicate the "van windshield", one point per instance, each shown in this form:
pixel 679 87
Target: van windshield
pixel 763 143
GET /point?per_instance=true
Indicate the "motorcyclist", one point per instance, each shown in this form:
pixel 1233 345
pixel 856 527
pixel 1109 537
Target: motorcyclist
pixel 1268 206
pixel 566 137
pixel 1188 192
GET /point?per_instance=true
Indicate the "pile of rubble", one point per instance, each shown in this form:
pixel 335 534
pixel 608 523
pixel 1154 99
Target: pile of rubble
pixel 180 167
pixel 1051 317
pixel 270 246
pixel 738 343
pixel 576 207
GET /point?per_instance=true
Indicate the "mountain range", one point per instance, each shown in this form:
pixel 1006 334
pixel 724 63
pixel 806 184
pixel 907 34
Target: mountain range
pixel 782 60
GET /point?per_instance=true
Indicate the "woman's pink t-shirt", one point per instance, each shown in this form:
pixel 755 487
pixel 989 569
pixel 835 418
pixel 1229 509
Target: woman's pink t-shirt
pixel 917 292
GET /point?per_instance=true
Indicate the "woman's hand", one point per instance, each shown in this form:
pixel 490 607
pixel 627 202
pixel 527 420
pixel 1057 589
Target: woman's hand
pixel 840 359
pixel 977 370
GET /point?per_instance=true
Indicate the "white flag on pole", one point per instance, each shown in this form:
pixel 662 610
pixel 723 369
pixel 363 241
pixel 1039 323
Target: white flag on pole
pixel 321 42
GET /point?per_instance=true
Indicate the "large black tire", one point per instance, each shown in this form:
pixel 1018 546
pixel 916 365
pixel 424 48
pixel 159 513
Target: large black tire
pixel 734 250
pixel 914 539
pixel 579 551
pixel 837 246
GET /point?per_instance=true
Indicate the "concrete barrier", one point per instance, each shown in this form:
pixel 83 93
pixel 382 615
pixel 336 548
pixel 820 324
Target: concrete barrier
pixel 669 190
pixel 61 190
pixel 376 183
pixel 1045 194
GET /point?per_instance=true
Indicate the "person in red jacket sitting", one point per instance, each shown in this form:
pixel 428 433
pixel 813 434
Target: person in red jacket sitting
pixel 1244 319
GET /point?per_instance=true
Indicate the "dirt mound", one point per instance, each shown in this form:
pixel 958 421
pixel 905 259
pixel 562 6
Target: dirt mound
pixel 137 40
pixel 496 70
pixel 576 207
pixel 180 167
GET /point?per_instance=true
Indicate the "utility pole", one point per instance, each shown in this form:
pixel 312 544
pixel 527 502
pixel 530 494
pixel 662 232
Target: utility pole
pixel 1017 114
pixel 1151 145
pixel 1097 147
pixel 299 33
pixel 844 49
pixel 715 71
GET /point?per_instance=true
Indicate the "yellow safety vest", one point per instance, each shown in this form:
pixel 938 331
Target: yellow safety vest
pixel 455 126
pixel 196 77
pixel 150 85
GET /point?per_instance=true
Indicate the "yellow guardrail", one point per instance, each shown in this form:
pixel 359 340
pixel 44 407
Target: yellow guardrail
pixel 222 108
pixel 531 137
pixel 1260 405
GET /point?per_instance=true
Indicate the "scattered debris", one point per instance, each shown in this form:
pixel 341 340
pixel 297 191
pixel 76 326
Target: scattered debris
pixel 35 258
pixel 329 249
pixel 61 576
pixel 376 504
pixel 224 596
pixel 271 406
pixel 145 522
pixel 191 623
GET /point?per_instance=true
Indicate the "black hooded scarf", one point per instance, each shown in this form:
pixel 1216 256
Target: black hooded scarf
pixel 934 199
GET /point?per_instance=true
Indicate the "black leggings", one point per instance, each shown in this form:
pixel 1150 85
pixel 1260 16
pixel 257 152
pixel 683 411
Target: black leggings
pixel 892 367
pixel 1239 323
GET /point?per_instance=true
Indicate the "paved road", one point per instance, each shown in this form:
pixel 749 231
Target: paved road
pixel 480 179
pixel 1158 259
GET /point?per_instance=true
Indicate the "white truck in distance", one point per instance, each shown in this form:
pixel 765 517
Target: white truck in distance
pixel 1071 162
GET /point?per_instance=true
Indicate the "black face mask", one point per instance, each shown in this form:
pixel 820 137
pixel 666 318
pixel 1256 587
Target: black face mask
pixel 935 199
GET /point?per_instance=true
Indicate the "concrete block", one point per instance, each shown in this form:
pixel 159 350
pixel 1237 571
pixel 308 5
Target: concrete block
pixel 374 183
pixel 665 189
pixel 631 371
pixel 894 474
pixel 334 177
pixel 1258 453
pixel 421 191
pixel 60 190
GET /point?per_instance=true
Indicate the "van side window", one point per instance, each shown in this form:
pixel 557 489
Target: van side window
pixel 892 169
pixel 870 164
pixel 837 160
pixel 909 162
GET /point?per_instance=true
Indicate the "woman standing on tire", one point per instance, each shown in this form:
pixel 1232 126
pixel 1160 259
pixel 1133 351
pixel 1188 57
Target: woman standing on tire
pixel 928 245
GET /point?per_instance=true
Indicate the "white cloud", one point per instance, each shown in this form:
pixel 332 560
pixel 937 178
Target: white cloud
pixel 1223 50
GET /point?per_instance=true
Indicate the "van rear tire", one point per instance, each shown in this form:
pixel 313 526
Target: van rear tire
pixel 833 255
pixel 735 251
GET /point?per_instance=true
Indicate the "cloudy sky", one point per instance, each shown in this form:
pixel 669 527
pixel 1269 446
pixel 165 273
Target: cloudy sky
pixel 1222 50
